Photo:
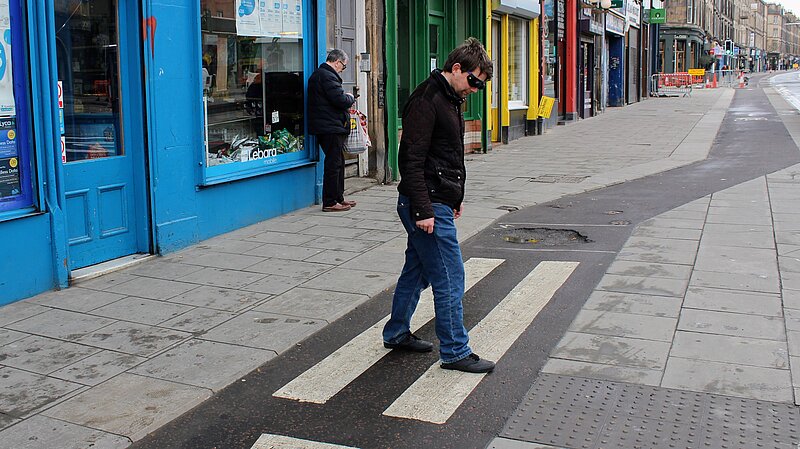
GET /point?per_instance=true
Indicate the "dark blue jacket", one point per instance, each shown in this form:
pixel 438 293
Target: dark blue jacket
pixel 327 103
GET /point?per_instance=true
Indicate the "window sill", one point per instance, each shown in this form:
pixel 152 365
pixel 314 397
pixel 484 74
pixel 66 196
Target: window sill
pixel 517 106
pixel 19 213
pixel 246 173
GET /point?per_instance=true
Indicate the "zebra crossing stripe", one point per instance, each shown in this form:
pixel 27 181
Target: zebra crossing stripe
pixel 270 441
pixel 325 379
pixel 436 395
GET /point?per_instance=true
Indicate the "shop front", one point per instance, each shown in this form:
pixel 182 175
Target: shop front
pixel 615 45
pixel 634 56
pixel 589 55
pixel 143 127
pixel 553 26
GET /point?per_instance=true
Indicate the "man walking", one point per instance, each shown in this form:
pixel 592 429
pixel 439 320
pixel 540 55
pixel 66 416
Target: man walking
pixel 431 191
pixel 328 119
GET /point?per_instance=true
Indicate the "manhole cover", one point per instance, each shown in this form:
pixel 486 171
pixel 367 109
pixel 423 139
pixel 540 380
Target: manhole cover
pixel 545 236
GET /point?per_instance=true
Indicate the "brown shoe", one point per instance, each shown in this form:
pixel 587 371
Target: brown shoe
pixel 349 203
pixel 336 208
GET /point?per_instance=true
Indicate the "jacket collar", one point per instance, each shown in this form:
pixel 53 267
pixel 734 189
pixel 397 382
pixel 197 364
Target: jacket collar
pixel 446 88
pixel 325 66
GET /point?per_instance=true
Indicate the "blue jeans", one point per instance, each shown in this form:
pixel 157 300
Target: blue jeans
pixel 435 260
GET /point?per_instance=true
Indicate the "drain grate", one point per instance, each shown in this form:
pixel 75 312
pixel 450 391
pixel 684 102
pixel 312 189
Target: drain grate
pixel 558 179
pixel 545 236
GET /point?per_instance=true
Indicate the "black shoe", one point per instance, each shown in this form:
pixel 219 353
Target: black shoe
pixel 471 364
pixel 411 343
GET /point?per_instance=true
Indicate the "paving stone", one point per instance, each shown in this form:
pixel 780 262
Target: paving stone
pixel 219 298
pixel 76 299
pixel 624 325
pixel 197 321
pixel 673 223
pixel 643 285
pixel 310 303
pixel 132 338
pixel 789 263
pixel 368 283
pixel 11 313
pixel 279 251
pixel 7 336
pixel 738 235
pixel 634 304
pixel 644 269
pixel 380 235
pixel 41 432
pixel 221 278
pixel 729 349
pixel 6 421
pixel 591 370
pixel 390 226
pixel 280 238
pixel 341 244
pixel 223 245
pixel 735 281
pixel 140 310
pixel 734 324
pixel 332 257
pixel 787 234
pixel 609 350
pixel 60 324
pixel 374 260
pixel 792 319
pixel 98 368
pixel 684 214
pixel 151 288
pixel 790 280
pixel 667 233
pixel 648 249
pixel 505 443
pixel 274 285
pixel 265 331
pixel 42 355
pixel 23 392
pixel 729 259
pixel 223 260
pixel 162 269
pixel 106 281
pixel 791 299
pixel 767 384
pixel 396 245
pixel 290 268
pixel 334 231
pixel 205 364
pixel 140 405
pixel 733 301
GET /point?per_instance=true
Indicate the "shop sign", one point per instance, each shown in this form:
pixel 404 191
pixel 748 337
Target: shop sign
pixel 633 12
pixel 560 17
pixel 7 104
pixel 615 24
pixel 269 18
pixel 9 159
pixel 658 15
pixel 546 106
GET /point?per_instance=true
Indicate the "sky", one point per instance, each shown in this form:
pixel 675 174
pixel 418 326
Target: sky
pixel 791 5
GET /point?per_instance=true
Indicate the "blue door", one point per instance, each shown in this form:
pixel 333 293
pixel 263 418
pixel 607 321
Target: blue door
pixel 100 76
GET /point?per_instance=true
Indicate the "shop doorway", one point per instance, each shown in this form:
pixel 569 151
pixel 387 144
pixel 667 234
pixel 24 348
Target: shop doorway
pixel 103 149
pixel 586 79
pixel 349 19
pixel 497 78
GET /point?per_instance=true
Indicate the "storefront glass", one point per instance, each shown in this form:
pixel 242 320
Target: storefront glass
pixel 518 61
pixel 549 61
pixel 253 78
pixel 16 168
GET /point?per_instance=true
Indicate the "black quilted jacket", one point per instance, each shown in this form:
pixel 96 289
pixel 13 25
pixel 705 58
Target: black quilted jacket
pixel 431 155
pixel 327 103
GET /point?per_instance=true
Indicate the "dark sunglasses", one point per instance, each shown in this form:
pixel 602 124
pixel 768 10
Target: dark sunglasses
pixel 475 82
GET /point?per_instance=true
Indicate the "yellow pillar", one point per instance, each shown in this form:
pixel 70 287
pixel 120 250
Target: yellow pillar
pixel 505 118
pixel 489 116
pixel 533 81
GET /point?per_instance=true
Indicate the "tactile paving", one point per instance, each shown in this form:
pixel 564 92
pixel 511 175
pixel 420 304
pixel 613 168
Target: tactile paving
pixel 577 413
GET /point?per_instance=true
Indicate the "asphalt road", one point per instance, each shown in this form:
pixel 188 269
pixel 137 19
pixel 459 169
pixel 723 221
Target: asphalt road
pixel 237 416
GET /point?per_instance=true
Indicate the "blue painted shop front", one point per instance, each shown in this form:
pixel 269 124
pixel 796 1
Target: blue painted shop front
pixel 146 127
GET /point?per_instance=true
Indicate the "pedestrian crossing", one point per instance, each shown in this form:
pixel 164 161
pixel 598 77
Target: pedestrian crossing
pixel 438 393
pixel 270 441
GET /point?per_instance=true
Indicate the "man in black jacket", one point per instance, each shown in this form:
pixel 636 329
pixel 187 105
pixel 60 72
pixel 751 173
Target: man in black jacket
pixel 329 119
pixel 431 193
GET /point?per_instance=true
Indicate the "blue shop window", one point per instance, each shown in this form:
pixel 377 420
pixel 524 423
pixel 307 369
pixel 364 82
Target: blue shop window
pixel 16 158
pixel 252 71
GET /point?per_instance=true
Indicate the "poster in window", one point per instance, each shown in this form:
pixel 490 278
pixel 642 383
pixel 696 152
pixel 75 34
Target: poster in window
pixel 248 18
pixel 9 159
pixel 7 104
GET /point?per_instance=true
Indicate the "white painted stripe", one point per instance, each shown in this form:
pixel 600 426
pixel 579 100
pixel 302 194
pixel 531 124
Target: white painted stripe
pixel 436 395
pixel 325 379
pixel 270 441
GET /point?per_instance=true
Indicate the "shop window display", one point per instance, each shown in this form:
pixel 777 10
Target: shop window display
pixel 518 61
pixel 252 72
pixel 549 59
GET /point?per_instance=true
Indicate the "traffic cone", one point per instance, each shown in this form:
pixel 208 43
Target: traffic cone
pixel 741 80
pixel 714 83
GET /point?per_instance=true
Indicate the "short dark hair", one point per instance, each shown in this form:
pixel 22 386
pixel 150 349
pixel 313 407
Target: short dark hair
pixel 337 55
pixel 470 55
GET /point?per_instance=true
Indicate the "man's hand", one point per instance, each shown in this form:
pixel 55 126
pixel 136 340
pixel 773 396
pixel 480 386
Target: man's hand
pixel 426 225
pixel 457 212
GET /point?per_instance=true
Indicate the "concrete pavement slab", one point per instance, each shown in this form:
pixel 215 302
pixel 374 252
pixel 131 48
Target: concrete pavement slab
pixel 793 338
pixel 788 250
pixel 686 214
pixel 375 260
pixel 23 392
pixel 6 421
pixel 656 250
pixel 643 285
pixel 667 233
pixel 264 331
pixel 791 299
pixel 140 405
pixel 278 251
pixel 733 324
pixel 219 298
pixel 790 280
pixel 505 443
pixel 341 244
pixel 789 263
pixel 8 336
pixel 290 268
pixel 140 310
pixel 162 269
pixel 634 304
pixel 396 245
pixel 624 325
pixel 225 261
pixel 723 300
pixel 310 303
pixel 279 238
pixel 42 355
pixel 352 281
pixel 729 349
pixel 19 311
pixel 223 245
pixel 591 370
pixel 98 368
pixel 198 320
pixel 60 324
pixel 132 338
pixel 792 319
pixel 767 384
pixel 336 231
pixel 645 269
pixel 612 350
pixel 106 281
pixel 740 219
pixel 204 364
pixel 332 257
pixel 76 299
pixel 41 432
pixel 659 222
pixel 216 277
pixel 731 259
pixel 738 235
pixel 151 288
pixel 735 281
pixel 274 284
